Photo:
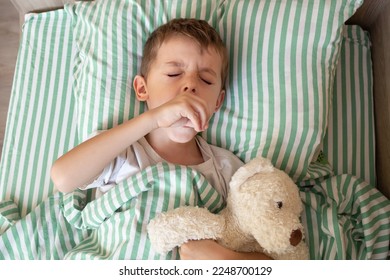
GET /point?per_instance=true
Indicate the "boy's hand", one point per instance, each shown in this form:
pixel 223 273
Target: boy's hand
pixel 185 110
pixel 203 250
pixel 211 250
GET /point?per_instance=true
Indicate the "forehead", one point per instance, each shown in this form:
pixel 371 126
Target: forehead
pixel 186 48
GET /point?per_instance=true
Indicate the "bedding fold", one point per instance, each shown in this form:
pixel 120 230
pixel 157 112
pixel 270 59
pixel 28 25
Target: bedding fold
pixel 346 218
pixel 112 226
pixel 339 218
pixel 9 214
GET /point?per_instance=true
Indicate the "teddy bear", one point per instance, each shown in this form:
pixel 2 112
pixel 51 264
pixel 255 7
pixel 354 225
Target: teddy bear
pixel 262 214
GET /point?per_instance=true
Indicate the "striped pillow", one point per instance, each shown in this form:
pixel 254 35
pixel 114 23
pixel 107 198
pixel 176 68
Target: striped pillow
pixel 282 55
pixel 349 144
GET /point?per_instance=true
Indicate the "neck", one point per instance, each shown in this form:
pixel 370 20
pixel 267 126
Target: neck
pixel 177 153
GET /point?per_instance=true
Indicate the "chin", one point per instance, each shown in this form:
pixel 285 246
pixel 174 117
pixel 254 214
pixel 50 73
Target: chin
pixel 182 134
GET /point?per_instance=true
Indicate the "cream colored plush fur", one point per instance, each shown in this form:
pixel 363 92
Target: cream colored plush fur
pixel 262 215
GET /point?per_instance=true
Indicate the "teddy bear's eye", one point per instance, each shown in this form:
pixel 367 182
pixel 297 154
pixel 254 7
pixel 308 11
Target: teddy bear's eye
pixel 279 204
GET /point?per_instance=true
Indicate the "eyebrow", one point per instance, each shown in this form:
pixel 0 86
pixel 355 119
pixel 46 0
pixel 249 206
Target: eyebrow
pixel 174 63
pixel 180 64
pixel 208 70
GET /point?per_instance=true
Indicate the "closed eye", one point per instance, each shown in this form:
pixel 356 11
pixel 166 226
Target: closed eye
pixel 206 81
pixel 173 75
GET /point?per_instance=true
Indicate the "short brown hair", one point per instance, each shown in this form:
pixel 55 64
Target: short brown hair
pixel 198 30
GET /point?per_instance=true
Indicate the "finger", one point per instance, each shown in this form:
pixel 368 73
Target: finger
pixel 183 122
pixel 195 110
pixel 203 118
pixel 193 121
pixel 200 114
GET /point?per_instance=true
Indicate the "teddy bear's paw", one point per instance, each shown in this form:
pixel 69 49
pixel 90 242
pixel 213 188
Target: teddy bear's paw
pixel 162 238
pixel 173 228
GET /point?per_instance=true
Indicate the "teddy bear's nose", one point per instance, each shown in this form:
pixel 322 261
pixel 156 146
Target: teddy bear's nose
pixel 295 237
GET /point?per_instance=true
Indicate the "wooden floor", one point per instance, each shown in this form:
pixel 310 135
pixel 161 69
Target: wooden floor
pixel 9 42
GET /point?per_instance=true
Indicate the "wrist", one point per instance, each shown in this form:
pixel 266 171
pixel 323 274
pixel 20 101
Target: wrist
pixel 151 120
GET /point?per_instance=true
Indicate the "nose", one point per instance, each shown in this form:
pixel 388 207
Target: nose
pixel 190 85
pixel 295 237
pixel 189 89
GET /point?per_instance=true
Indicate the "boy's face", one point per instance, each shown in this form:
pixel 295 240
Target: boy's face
pixel 181 66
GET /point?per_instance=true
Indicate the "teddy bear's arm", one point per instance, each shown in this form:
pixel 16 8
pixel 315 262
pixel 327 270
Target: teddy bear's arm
pixel 173 228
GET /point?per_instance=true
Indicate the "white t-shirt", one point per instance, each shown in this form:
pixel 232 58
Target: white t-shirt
pixel 218 167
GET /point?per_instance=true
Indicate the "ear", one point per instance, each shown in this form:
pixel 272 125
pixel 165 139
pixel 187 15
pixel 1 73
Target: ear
pixel 220 99
pixel 261 164
pixel 256 165
pixel 139 85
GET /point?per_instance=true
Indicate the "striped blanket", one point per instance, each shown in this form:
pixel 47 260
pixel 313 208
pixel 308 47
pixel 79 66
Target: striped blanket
pixel 336 218
pixel 111 227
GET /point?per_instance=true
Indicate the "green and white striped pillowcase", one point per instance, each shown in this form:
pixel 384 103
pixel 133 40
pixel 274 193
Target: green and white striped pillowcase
pixel 283 56
pixel 41 123
pixel 110 37
pixel 349 143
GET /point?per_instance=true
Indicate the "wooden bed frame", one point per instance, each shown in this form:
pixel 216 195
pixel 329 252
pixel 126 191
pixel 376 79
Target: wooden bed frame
pixel 373 16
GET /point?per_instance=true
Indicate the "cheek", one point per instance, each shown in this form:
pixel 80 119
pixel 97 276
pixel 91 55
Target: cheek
pixel 213 100
pixel 159 95
pixel 212 107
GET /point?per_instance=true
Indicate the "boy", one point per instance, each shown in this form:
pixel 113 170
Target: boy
pixel 183 72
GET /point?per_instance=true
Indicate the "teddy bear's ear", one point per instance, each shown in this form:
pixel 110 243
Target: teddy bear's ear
pixel 256 165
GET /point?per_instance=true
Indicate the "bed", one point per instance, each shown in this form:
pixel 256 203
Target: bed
pixel 302 95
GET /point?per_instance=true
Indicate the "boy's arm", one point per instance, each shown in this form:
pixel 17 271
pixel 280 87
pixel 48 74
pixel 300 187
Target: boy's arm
pixel 83 163
pixel 211 250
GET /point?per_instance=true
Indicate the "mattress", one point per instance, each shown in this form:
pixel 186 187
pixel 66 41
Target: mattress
pixel 345 217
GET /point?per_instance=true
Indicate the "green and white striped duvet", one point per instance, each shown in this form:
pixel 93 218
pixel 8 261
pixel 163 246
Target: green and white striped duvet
pixel 111 227
pixel 344 216
pixel 337 219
